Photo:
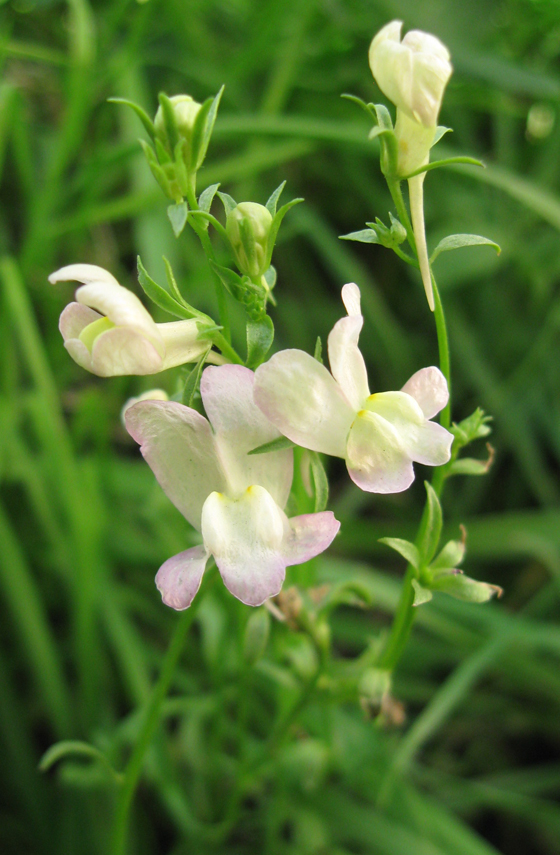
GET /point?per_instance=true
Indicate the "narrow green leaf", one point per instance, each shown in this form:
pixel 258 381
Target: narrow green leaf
pixel 233 283
pixel 197 150
pixel 441 131
pixel 421 595
pixel 273 201
pixel 209 126
pixel 464 588
pixel 207 197
pixel 318 355
pixel 450 557
pixel 278 217
pixel 468 466
pixel 369 108
pixel 457 241
pixel 228 202
pixel 260 335
pixel 405 548
pixel 192 383
pixel 274 445
pixel 383 117
pixel 178 217
pixel 363 236
pixel 320 482
pixel 432 532
pixel 142 115
pixel 75 748
pixel 159 295
pixel 449 161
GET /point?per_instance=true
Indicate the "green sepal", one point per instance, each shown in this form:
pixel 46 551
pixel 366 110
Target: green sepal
pixel 457 241
pixel 464 588
pixel 441 131
pixel 320 482
pixel 277 220
pixel 206 198
pixel 142 115
pixel 473 427
pixel 388 141
pixel 318 354
pixel 178 217
pixel 207 115
pixel 270 277
pixel 432 532
pixel 273 200
pixel 274 445
pixel 192 383
pixel 362 236
pixel 159 295
pixel 405 548
pixel 449 558
pixel 157 171
pixel 228 201
pixel 469 466
pixel 163 156
pixel 169 120
pixel 260 335
pixel 421 595
pixel 437 164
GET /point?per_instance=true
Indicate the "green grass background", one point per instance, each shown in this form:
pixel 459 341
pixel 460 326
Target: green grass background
pixel 83 527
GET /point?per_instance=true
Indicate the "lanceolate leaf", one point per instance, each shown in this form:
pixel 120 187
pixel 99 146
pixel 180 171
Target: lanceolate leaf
pixel 207 197
pixel 274 445
pixel 405 548
pixel 273 201
pixel 178 217
pixel 432 532
pixel 142 115
pixel 260 335
pixel 193 381
pixel 159 295
pixel 320 482
pixel 457 241
pixel 363 236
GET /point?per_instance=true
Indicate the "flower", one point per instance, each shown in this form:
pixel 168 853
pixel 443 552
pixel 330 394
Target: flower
pixel 248 228
pixel 234 499
pixel 109 332
pixel 413 74
pixel 378 435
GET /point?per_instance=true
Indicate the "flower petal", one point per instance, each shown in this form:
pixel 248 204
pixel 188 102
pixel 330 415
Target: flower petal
pixel 346 361
pixel 179 578
pixel 75 318
pixel 376 460
pixel 79 352
pixel 245 536
pixel 305 403
pixel 423 441
pixel 429 388
pixel 178 445
pixel 181 342
pixel 227 394
pixel 309 535
pixel 432 445
pixel 122 350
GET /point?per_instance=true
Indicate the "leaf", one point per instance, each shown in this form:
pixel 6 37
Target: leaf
pixel 178 217
pixel 464 588
pixel 274 445
pixel 318 355
pixel 260 335
pixel 207 197
pixel 160 296
pixel 441 131
pixel 192 382
pixel 450 557
pixel 468 466
pixel 383 117
pixel 273 201
pixel 270 276
pixel 320 482
pixel 432 531
pixel 228 202
pixel 273 231
pixel 209 125
pixel 405 548
pixel 457 241
pixel 449 161
pixel 369 108
pixel 233 283
pixel 142 115
pixel 75 748
pixel 421 595
pixel 363 236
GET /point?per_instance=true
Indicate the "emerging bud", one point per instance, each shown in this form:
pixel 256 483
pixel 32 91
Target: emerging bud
pixel 185 111
pixel 248 228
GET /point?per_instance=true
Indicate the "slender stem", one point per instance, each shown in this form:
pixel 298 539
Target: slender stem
pixel 443 346
pixel 149 725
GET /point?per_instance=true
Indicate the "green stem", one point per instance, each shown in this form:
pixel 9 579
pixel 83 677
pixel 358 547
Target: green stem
pixel 148 728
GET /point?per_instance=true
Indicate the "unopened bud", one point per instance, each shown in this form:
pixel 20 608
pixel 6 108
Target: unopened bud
pixel 248 228
pixel 185 110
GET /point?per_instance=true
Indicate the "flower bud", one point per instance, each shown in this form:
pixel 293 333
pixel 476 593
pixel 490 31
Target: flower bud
pixel 185 110
pixel 248 227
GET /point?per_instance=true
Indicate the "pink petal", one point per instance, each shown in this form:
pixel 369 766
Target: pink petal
pixel 432 445
pixel 227 394
pixel 178 580
pixel 310 534
pixel 74 319
pixel 429 388
pixel 178 445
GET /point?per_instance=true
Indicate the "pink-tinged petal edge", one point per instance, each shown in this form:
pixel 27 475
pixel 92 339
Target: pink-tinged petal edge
pixel 429 388
pixel 310 534
pixel 179 578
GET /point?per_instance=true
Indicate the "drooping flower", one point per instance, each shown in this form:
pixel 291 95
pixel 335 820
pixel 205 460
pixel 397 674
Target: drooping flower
pixel 413 74
pixel 109 332
pixel 234 499
pixel 379 435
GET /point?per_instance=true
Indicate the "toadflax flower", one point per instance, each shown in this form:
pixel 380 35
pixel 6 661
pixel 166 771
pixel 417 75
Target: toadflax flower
pixel 378 435
pixel 234 499
pixel 109 332
pixel 413 74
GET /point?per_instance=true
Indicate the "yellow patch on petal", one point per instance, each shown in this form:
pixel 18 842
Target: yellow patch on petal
pixel 92 331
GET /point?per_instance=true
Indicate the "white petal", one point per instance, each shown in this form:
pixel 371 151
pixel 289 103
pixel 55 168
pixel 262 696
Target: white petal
pixel 82 273
pixel 305 403
pixel 123 350
pixel 309 535
pixel 227 394
pixel 376 460
pixel 432 446
pixel 178 580
pixel 429 387
pixel 181 342
pixel 245 536
pixel 346 361
pixel 75 318
pixel 79 353
pixel 178 445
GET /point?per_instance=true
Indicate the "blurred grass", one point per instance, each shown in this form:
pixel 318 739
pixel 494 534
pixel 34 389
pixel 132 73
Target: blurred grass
pixel 475 770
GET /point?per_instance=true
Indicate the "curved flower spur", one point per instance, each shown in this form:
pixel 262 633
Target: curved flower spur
pixel 378 435
pixel 109 332
pixel 235 499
